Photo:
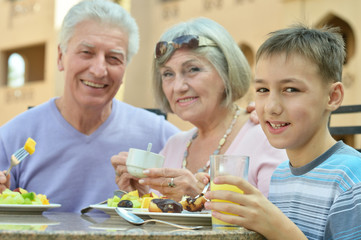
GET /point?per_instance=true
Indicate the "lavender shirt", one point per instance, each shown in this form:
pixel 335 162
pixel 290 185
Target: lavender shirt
pixel 69 167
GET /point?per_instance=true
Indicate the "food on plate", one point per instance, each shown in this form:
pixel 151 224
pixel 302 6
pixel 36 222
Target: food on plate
pixel 193 204
pixel 133 198
pixel 154 203
pixel 146 202
pixel 165 205
pixel 125 203
pixel 22 196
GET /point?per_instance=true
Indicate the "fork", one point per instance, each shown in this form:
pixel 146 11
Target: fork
pixel 203 192
pixel 21 153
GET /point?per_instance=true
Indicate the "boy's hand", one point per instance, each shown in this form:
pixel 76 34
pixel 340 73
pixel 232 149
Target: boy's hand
pixel 252 210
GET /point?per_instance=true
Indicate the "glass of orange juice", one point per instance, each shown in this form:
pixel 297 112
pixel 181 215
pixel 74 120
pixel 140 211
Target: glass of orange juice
pixel 235 165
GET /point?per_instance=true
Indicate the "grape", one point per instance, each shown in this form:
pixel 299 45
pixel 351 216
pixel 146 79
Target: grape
pixel 125 204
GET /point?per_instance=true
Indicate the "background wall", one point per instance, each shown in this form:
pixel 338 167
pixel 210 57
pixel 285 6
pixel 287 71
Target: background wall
pixel 24 23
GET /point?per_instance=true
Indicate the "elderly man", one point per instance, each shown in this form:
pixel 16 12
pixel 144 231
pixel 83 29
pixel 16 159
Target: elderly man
pixel 78 132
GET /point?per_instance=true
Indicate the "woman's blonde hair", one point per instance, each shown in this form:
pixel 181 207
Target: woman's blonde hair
pixel 226 57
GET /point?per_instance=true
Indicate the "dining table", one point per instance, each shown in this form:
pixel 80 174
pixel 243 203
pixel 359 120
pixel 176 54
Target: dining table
pixel 100 225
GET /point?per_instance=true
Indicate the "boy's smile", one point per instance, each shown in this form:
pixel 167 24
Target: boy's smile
pixel 277 127
pixel 291 101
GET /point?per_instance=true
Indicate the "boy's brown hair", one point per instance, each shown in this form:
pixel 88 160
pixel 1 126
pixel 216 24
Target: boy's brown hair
pixel 325 47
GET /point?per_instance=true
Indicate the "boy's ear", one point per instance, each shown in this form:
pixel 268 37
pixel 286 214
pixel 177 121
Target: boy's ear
pixel 335 96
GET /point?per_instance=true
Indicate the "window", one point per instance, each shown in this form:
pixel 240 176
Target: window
pixel 22 65
pixel 16 70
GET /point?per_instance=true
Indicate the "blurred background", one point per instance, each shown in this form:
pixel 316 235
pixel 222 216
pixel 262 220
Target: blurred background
pixel 29 38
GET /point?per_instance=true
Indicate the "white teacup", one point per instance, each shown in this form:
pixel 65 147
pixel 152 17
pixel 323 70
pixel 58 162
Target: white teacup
pixel 138 160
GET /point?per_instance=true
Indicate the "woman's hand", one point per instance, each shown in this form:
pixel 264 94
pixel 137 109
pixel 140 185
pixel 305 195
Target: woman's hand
pixel 4 181
pixel 252 210
pixel 251 108
pixel 202 177
pixel 123 178
pixel 184 182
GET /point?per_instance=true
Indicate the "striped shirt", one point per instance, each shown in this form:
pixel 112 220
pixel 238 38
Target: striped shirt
pixel 323 198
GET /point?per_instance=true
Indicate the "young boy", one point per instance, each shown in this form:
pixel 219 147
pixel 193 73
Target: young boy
pixel 317 193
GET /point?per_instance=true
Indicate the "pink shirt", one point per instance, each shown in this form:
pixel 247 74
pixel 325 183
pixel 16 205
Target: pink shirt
pixel 250 141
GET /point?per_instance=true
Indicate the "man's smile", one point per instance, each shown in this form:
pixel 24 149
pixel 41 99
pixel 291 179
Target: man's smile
pixel 94 85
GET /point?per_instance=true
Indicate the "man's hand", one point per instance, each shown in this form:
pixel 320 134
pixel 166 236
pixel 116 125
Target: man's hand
pixel 4 181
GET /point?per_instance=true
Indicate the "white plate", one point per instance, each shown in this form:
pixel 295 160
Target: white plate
pixel 25 209
pixel 187 218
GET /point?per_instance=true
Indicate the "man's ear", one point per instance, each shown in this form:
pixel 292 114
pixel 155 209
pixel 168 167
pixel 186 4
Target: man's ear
pixel 335 96
pixel 60 59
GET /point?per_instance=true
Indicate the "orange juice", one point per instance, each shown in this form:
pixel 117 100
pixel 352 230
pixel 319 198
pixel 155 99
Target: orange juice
pixel 216 223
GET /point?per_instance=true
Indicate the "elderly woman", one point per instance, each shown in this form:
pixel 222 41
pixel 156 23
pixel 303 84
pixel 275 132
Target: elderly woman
pixel 199 74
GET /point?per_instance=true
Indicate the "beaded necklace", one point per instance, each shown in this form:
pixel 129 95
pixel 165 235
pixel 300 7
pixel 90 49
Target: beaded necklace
pixel 220 144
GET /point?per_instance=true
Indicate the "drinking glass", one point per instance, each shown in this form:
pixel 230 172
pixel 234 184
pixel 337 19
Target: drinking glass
pixel 221 165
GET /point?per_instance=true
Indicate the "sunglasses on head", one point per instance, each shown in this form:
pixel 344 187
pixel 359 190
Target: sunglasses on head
pixel 185 41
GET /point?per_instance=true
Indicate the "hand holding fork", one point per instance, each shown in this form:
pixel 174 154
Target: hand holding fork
pixel 20 154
